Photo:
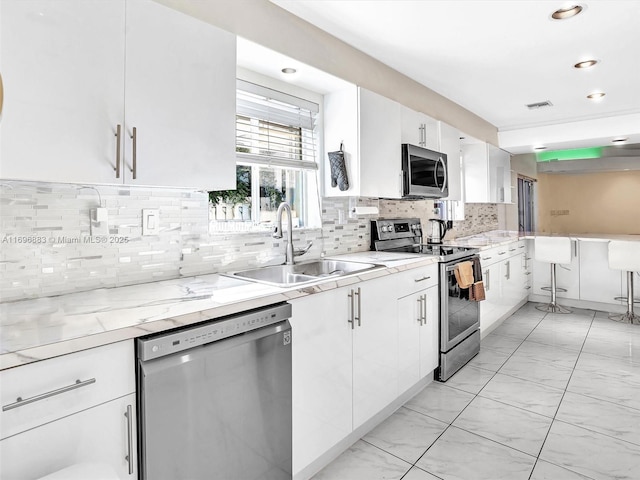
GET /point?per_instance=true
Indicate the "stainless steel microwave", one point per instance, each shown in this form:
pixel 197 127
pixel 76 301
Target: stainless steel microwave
pixel 424 173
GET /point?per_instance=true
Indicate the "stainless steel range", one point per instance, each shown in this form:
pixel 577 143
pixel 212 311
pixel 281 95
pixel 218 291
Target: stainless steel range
pixel 459 316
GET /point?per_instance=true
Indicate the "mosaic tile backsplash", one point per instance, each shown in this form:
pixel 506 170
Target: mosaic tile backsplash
pixel 51 245
pixel 47 246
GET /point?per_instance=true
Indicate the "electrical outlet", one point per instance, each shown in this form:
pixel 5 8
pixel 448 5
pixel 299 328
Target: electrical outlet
pixel 150 221
pixel 99 222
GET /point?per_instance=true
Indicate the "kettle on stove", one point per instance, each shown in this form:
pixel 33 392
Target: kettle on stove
pixel 437 231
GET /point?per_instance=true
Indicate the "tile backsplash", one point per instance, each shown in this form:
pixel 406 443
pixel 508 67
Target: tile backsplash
pixel 47 247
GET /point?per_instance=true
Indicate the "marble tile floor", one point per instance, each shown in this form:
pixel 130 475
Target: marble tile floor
pixel 549 397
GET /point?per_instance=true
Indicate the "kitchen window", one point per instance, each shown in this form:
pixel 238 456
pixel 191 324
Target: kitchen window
pixel 276 159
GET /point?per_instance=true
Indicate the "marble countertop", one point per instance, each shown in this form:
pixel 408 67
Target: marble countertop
pixel 37 329
pixel 497 238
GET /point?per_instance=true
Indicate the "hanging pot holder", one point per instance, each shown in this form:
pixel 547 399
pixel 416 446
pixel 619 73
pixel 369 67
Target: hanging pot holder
pixel 338 170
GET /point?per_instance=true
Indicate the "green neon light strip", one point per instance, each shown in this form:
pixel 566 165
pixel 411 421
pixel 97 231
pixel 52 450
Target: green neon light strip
pixel 574 154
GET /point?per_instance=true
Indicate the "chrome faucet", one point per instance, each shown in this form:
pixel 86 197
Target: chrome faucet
pixel 277 233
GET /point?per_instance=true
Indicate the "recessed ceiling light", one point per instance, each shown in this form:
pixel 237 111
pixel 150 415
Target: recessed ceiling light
pixel 585 64
pixel 619 140
pixel 540 148
pixel 289 70
pixel 596 95
pixel 564 13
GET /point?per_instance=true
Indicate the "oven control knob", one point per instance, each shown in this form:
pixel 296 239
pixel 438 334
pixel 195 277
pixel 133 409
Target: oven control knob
pixel 385 228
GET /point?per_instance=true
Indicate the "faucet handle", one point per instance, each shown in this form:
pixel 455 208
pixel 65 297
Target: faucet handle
pixel 302 251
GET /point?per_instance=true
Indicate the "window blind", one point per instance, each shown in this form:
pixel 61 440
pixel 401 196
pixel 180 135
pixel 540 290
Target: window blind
pixel 274 128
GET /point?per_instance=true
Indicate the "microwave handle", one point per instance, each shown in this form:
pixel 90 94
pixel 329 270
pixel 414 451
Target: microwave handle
pixel 444 169
pixel 403 190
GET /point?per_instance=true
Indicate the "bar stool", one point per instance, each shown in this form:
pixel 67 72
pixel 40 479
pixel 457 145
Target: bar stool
pixel 553 250
pixel 625 256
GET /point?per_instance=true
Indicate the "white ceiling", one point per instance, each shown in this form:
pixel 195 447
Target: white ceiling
pixel 495 56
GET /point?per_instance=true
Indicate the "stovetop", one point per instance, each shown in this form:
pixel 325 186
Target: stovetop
pixel 405 236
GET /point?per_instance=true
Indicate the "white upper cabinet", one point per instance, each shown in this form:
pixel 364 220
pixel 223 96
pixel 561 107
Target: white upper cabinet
pixel 368 125
pixel 419 129
pixel 487 173
pixel 62 64
pixel 180 97
pixel 450 144
pixel 74 71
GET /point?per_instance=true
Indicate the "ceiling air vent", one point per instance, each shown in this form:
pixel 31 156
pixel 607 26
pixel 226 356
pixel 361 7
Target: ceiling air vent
pixel 534 106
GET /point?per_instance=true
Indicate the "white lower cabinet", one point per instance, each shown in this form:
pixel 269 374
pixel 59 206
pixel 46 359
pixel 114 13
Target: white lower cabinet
pixel 504 271
pixel 322 374
pixel 375 350
pixel 346 361
pixel 417 336
pixel 69 410
pixel 103 436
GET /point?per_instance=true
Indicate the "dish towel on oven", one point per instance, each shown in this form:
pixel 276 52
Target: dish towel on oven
pixel 476 292
pixel 464 274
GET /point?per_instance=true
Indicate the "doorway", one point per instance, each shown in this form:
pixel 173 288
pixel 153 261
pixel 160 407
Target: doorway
pixel 526 204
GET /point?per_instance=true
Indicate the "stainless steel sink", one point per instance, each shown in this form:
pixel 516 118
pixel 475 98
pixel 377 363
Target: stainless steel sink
pixel 302 273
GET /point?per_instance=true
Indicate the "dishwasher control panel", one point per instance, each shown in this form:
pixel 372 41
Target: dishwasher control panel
pixel 167 343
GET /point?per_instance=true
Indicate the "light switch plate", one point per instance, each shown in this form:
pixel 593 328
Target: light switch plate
pixel 150 221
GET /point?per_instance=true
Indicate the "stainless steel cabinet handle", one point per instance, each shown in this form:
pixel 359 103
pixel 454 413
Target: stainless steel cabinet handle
pixel 488 278
pixel 501 253
pixel 508 275
pixel 522 246
pixel 20 401
pixel 118 135
pixel 134 156
pixel 575 248
pixel 352 313
pixel 359 317
pixel 512 249
pixel 129 456
pixel 421 279
pixel 487 258
pixel 527 287
pixel 424 311
pixel 420 309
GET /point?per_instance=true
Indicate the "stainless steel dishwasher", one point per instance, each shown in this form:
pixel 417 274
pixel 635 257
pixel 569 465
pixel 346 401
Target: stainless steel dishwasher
pixel 215 399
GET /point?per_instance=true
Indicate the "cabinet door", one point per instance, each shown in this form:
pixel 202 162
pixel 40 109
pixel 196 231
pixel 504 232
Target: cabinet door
pixel 102 435
pixel 419 129
pixel 598 283
pixel 450 144
pixel 375 350
pixel 417 337
pixel 499 175
pixel 180 96
pixel 429 332
pixel 63 72
pixel 380 151
pixel 322 369
pixel 492 307
pixel 476 177
pixel 410 312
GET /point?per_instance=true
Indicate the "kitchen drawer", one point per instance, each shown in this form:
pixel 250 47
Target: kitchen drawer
pixel 496 254
pixel 104 373
pixel 415 280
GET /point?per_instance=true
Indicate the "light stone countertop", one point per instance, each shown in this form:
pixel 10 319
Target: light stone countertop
pixel 496 238
pixel 37 329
